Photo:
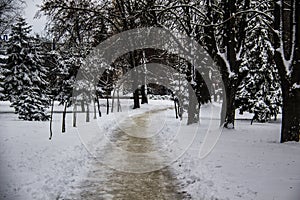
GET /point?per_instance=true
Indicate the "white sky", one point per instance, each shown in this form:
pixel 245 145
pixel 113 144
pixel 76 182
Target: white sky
pixel 38 25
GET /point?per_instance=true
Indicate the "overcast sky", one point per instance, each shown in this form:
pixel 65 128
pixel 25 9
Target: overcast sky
pixel 38 25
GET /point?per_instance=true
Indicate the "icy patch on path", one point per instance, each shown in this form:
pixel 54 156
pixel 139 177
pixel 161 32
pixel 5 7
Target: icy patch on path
pixel 103 181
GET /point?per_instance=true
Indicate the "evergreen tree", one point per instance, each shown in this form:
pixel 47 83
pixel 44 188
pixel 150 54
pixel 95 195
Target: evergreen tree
pixel 9 10
pixel 24 74
pixel 3 59
pixel 259 92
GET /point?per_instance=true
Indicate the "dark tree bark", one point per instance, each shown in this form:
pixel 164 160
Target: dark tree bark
pixel 230 91
pixel 75 115
pixel 180 109
pixel 193 108
pixel 51 119
pixel 87 119
pixel 113 101
pixel 286 57
pixel 136 99
pixel 144 95
pixel 107 103
pixel 290 130
pixel 98 105
pixel 63 128
pixel 226 53
pixel 118 101
pixel 95 109
pixel 215 97
pixel 175 105
pixel 82 106
pixel 135 87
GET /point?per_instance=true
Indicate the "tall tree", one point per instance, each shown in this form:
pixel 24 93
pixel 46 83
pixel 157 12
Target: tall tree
pixel 181 16
pixel 287 56
pixel 25 82
pixel 9 11
pixel 76 26
pixel 3 60
pixel 223 36
pixel 259 91
pixel 75 23
pixel 220 27
pixel 126 15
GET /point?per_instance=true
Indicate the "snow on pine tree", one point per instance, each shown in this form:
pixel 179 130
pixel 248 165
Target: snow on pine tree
pixel 260 91
pixel 24 83
pixel 3 59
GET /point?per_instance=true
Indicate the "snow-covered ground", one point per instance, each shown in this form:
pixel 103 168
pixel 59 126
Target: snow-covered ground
pixel 32 167
pixel 246 163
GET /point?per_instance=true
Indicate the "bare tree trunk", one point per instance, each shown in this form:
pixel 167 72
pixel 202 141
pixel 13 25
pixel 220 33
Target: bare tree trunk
pixel 63 129
pixel 214 92
pixel 144 86
pixel 51 118
pixel 230 107
pixel 175 104
pixel 119 103
pixel 179 103
pixel 193 109
pixel 180 110
pixel 290 129
pixel 87 119
pixel 113 101
pixel 82 106
pixel 287 56
pixel 223 110
pixel 144 94
pixel 75 115
pixel 95 109
pixel 134 71
pixel 107 104
pixel 98 105
pixel 136 99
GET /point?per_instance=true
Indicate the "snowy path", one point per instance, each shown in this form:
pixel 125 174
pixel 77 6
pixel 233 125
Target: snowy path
pixel 131 136
pixel 247 163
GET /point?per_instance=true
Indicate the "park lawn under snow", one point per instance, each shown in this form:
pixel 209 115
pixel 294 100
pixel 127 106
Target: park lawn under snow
pixel 249 163
pixel 246 163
